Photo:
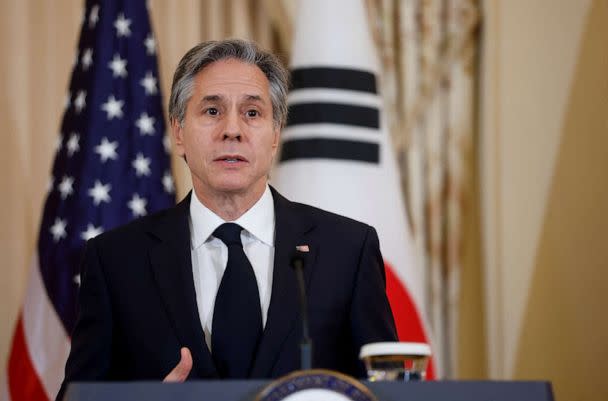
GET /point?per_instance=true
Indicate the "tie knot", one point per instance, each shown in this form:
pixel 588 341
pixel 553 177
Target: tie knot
pixel 229 233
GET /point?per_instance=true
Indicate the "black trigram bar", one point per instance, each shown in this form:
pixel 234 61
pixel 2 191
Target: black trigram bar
pixel 324 148
pixel 335 78
pixel 312 113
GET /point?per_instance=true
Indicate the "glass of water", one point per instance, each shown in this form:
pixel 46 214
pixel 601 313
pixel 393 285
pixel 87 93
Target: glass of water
pixel 396 361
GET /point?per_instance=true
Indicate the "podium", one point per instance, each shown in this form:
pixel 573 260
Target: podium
pixel 246 390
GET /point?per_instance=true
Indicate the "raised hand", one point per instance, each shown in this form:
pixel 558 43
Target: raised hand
pixel 182 369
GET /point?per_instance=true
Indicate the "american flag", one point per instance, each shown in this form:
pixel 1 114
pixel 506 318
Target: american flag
pixel 111 165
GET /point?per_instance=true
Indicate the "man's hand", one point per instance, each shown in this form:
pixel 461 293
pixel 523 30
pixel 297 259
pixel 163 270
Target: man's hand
pixel 182 369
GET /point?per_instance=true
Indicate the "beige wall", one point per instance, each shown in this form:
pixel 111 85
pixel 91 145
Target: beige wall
pixel 544 191
pixel 32 44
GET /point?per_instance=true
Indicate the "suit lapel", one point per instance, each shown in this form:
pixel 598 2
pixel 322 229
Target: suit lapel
pixel 290 231
pixel 172 268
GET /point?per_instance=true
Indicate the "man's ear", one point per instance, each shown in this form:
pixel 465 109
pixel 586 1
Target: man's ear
pixel 277 137
pixel 177 132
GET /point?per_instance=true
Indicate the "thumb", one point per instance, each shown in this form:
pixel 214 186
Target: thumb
pixel 182 369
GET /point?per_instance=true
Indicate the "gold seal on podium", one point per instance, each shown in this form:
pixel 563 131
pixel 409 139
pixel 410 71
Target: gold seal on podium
pixel 316 384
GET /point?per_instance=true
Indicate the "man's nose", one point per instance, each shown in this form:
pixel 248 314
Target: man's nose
pixel 232 129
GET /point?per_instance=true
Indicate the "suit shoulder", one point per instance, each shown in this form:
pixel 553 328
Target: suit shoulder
pixel 132 230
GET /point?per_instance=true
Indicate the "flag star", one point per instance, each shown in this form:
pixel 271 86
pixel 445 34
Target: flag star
pixel 58 229
pixel 149 84
pixel 76 279
pixel 138 205
pixel 66 186
pixel 80 102
pixel 113 107
pixel 87 58
pixel 100 192
pixel 72 144
pixel 91 232
pixel 150 44
pixel 94 16
pixel 122 25
pixel 141 165
pixel 168 182
pixel 145 123
pixel 106 150
pixel 118 66
pixel 167 143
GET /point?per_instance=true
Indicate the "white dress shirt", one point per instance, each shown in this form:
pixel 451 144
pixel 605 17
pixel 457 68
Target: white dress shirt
pixel 210 255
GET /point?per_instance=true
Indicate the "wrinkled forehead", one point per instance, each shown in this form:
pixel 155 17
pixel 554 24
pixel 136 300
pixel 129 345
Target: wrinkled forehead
pixel 232 76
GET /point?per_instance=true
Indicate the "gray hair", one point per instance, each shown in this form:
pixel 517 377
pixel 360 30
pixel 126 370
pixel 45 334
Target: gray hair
pixel 248 52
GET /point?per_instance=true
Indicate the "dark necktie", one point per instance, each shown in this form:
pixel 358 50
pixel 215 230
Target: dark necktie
pixel 237 315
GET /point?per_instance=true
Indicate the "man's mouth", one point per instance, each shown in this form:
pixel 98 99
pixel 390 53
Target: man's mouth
pixel 231 159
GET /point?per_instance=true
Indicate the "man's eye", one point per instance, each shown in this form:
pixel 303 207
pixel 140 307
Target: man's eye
pixel 212 111
pixel 252 113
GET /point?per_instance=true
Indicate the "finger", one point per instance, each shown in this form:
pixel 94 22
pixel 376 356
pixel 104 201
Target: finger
pixel 181 371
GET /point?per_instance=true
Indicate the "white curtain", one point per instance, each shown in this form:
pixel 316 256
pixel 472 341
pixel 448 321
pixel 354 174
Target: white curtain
pixel 428 49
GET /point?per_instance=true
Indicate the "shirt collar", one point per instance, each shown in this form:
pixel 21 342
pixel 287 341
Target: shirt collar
pixel 258 221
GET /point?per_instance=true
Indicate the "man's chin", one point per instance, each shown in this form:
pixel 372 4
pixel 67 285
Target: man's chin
pixel 238 188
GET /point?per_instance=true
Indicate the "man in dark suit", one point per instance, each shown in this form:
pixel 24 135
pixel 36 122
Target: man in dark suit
pixel 205 289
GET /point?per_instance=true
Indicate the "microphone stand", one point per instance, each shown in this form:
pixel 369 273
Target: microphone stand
pixel 297 262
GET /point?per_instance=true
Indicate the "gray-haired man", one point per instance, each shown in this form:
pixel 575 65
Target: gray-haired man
pixel 204 289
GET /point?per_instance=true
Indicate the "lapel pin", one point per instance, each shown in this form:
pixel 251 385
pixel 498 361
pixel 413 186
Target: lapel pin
pixel 303 248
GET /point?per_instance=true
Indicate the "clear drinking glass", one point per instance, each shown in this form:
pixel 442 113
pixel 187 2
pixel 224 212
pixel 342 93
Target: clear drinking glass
pixel 395 361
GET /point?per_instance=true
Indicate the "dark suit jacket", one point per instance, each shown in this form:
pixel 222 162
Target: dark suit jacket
pixel 138 303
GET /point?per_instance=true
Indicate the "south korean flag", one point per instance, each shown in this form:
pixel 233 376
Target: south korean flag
pixel 336 152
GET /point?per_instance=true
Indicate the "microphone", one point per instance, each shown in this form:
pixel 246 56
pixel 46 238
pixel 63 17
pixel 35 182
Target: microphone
pixel 297 263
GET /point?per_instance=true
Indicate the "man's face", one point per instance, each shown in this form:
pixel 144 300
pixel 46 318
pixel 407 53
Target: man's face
pixel 228 136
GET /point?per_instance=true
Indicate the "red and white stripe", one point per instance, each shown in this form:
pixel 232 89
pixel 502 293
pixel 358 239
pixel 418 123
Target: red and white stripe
pixel 40 347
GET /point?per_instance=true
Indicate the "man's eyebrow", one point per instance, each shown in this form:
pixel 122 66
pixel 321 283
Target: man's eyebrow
pixel 254 98
pixel 211 98
pixel 220 98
